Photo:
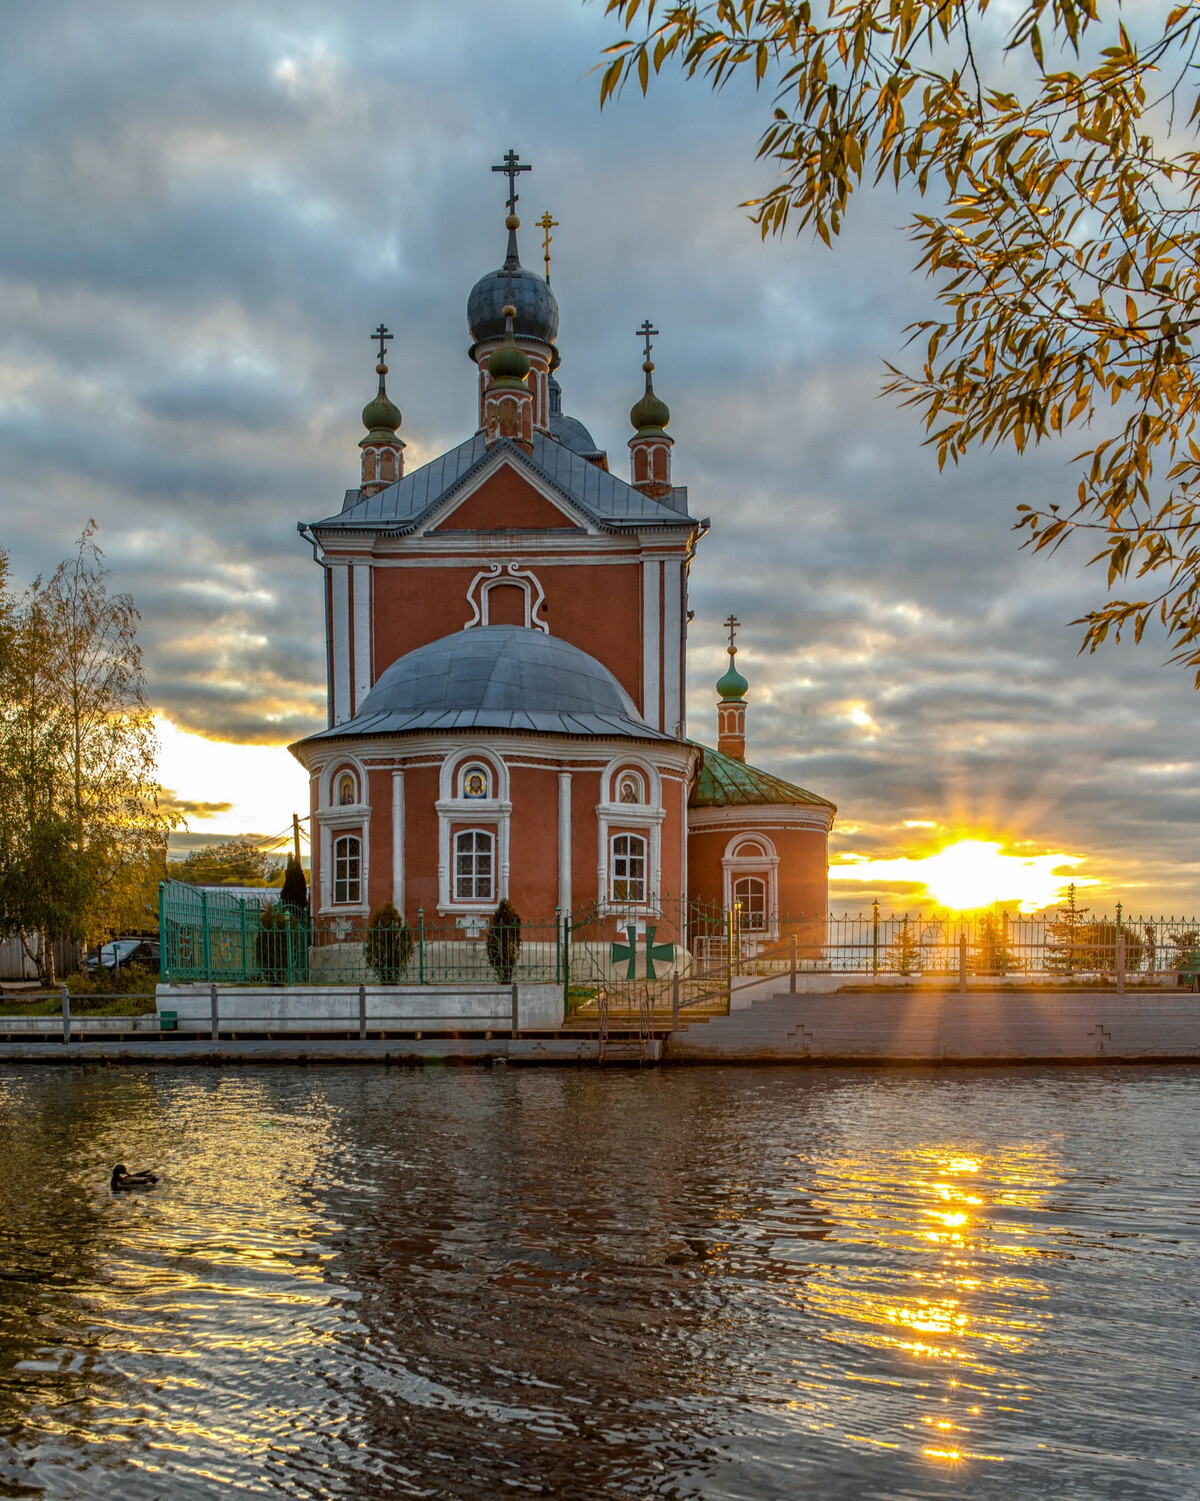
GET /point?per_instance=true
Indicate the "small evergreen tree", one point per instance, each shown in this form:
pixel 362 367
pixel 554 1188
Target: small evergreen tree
pixel 904 952
pixel 504 941
pixel 389 944
pixel 993 956
pixel 1065 937
pixel 294 895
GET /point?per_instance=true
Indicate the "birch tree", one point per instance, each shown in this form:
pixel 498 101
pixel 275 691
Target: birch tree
pixel 1058 175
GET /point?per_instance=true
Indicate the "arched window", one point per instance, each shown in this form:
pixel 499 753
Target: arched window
pixel 474 866
pixel 749 850
pixel 628 868
pixel 347 869
pixel 629 788
pixel 475 782
pixel 347 789
pixel 750 893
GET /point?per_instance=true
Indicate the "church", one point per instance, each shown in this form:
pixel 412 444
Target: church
pixel 506 647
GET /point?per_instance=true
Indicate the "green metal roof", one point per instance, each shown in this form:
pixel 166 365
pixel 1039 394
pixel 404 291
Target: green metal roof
pixel 724 782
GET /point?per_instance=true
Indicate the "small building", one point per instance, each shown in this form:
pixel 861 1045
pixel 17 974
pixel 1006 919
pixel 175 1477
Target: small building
pixel 506 632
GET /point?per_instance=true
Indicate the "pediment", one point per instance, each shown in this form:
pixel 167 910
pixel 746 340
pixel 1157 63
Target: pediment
pixel 506 497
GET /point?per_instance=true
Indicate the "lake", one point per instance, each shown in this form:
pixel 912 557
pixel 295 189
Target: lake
pixel 466 1282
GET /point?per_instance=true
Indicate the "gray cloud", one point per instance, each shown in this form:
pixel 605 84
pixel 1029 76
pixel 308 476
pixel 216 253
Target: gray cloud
pixel 206 211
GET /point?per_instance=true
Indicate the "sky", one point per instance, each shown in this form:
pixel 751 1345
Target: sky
pixel 207 210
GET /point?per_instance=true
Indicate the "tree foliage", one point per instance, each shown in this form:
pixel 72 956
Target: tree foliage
pixel 82 836
pixel 228 862
pixel 503 941
pixel 389 945
pixel 1059 184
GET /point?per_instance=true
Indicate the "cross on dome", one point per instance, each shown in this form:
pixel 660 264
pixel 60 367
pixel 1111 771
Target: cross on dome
pixel 647 333
pixel 381 333
pixel 732 623
pixel 546 224
pixel 511 166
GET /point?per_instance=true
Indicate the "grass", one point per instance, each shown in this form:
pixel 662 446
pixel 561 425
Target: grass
pixel 99 1005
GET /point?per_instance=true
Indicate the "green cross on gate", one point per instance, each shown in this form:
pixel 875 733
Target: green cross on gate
pixel 622 952
pixel 663 951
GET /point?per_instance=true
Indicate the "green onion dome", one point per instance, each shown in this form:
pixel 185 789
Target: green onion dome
pixel 651 414
pixel 732 684
pixel 508 365
pixel 381 416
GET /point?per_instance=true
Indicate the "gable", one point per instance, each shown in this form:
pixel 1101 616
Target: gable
pixel 505 501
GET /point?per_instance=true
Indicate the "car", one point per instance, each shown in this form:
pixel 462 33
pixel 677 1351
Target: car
pixel 125 951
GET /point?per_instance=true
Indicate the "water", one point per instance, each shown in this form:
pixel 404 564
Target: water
pixel 689 1283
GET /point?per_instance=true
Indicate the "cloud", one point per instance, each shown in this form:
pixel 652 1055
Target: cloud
pixel 208 210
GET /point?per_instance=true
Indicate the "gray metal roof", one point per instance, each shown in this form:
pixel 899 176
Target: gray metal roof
pixel 499 677
pixel 604 499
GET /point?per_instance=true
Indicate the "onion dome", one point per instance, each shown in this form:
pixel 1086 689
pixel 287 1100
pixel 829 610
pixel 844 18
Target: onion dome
pixel 731 684
pixel 381 416
pixel 651 414
pixel 508 365
pixel 536 308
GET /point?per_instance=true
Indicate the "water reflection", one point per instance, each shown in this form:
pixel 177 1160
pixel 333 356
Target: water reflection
pixel 704 1283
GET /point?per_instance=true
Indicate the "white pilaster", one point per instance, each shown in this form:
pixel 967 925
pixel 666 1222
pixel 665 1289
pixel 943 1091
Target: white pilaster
pixel 672 647
pixel 651 643
pixel 398 841
pixel 564 842
pixel 362 632
pixel 339 583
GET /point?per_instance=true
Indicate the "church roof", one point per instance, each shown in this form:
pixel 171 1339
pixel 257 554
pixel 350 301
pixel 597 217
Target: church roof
pixel 724 782
pixel 498 677
pixel 605 499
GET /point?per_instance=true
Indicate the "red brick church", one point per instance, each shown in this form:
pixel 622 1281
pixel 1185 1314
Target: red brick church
pixel 506 633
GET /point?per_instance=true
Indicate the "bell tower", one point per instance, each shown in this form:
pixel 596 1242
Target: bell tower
pixel 650 447
pixel 731 708
pixel 382 448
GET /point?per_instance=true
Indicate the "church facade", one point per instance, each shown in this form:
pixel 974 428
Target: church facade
pixel 506 638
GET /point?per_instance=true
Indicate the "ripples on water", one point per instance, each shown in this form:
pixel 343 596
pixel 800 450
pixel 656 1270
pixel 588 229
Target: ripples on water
pixel 698 1283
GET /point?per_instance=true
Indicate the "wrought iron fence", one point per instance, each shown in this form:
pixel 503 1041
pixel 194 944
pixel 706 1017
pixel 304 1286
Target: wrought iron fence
pixel 629 956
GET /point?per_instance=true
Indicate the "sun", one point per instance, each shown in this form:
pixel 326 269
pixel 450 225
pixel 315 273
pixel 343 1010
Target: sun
pixel 973 873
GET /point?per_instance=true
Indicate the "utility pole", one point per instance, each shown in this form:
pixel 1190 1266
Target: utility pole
pixel 296 836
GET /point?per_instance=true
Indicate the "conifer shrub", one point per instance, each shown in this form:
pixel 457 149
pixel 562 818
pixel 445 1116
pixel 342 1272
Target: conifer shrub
pixel 275 926
pixel 503 941
pixel 389 945
pixel 294 895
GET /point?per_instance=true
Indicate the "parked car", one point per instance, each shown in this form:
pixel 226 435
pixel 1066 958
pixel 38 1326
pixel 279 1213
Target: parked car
pixel 124 951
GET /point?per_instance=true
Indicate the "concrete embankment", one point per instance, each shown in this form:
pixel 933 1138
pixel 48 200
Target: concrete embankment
pixel 945 1027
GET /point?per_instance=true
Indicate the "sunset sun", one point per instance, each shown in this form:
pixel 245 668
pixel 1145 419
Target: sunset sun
pixel 972 873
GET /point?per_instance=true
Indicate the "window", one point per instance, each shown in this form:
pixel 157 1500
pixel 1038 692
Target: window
pixel 476 782
pixel 628 868
pixel 474 865
pixel 347 869
pixel 629 789
pixel 347 790
pixel 750 893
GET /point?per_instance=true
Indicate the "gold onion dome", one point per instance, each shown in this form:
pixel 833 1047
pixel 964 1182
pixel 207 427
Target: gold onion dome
pixel 651 414
pixel 381 416
pixel 509 364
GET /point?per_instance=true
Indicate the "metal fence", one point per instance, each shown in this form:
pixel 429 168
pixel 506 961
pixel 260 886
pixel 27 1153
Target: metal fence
pixel 210 937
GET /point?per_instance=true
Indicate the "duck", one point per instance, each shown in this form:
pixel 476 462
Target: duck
pixel 123 1180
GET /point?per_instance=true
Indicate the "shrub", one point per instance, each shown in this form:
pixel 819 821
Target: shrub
pixel 389 944
pixel 275 927
pixel 504 941
pixel 127 979
pixel 294 895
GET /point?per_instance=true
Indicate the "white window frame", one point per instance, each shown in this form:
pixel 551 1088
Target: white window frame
pixel 644 818
pixel 747 926
pixel 343 836
pixel 476 833
pixel 457 813
pixel 644 844
pixel 735 864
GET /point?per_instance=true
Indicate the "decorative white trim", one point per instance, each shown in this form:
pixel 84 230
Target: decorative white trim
pixel 398 841
pixel 363 676
pixel 339 583
pixel 506 573
pixel 489 812
pixel 353 819
pixel 342 760
pixel 672 648
pixel 753 816
pixel 564 841
pixel 632 762
pixel 765 865
pixel 651 643
pixel 620 818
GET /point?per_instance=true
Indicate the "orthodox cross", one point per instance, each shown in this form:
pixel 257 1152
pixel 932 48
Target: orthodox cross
pixel 383 336
pixel 511 166
pixel 733 622
pixel 546 224
pixel 648 333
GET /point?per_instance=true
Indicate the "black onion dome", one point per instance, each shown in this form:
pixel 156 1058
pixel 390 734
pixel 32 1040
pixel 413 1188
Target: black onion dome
pixel 537 309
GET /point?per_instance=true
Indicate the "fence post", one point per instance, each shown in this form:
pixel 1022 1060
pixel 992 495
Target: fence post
pixel 792 984
pixel 66 1014
pixel 362 1013
pixel 875 937
pixel 1121 965
pixel 962 958
pixel 675 1002
pixel 516 1011
pixel 566 966
pixel 558 945
pixel 212 997
pixel 729 954
pixel 420 945
pixel 206 936
pixel 162 931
